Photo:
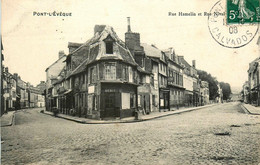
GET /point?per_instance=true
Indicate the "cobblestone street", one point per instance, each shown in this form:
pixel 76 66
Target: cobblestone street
pixel 222 134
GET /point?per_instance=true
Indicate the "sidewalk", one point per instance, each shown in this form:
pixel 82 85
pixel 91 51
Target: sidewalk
pixel 7 119
pixel 251 109
pixel 153 115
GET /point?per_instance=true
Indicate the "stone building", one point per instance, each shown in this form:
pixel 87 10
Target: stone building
pixel 51 76
pixel 147 99
pixel 106 77
pixel 245 92
pixel 204 91
pixel 101 78
pixel 219 98
pixel 9 90
pixel 253 82
pixel 192 95
pixel 175 80
pixel 160 67
pixel 20 91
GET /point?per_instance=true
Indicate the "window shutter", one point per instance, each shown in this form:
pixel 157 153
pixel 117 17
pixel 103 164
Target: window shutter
pixel 119 70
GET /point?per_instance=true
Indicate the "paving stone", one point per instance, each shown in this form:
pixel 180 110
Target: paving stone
pixel 180 139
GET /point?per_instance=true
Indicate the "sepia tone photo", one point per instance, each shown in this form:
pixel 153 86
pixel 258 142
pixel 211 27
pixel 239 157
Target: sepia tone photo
pixel 130 82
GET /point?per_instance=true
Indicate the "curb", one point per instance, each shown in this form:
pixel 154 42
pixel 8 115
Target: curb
pixel 176 113
pixel 130 121
pixel 247 111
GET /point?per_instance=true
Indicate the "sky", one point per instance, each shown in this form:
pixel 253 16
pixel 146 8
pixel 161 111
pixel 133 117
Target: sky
pixel 31 43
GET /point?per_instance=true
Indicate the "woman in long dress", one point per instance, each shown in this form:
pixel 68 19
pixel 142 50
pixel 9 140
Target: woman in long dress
pixel 244 12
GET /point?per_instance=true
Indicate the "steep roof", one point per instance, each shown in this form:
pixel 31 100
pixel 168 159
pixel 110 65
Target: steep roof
pixel 96 51
pixel 183 61
pixel 80 68
pixel 61 58
pixel 151 51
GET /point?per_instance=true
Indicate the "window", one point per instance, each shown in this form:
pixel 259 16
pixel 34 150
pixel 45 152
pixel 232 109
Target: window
pixel 173 73
pixel 152 80
pixel 130 74
pixel 110 71
pixel 153 99
pixel 92 75
pixel 125 72
pixel 139 100
pixel 109 47
pixel 132 100
pixel 126 100
pixel 83 78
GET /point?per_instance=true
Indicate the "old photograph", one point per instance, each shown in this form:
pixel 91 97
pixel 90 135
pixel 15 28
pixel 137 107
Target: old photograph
pixel 130 82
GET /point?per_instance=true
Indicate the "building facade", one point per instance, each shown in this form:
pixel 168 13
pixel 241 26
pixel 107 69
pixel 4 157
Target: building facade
pixel 204 91
pixel 175 80
pixel 9 90
pixel 52 73
pixel 253 82
pixel 245 92
pixel 106 77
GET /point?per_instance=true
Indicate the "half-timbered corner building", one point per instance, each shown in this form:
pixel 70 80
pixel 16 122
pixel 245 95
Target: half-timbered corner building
pixel 101 77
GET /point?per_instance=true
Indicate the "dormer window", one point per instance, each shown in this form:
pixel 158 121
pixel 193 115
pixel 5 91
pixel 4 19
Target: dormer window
pixel 109 47
pixel 109 44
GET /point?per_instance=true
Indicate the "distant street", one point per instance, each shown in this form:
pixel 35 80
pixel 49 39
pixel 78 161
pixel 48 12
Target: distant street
pixel 222 134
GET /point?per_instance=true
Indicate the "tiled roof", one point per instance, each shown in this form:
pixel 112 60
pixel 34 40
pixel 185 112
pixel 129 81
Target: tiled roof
pixel 61 58
pixel 183 61
pixel 93 51
pixel 151 51
pixel 80 68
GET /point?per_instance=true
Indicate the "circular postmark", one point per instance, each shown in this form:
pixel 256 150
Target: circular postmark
pixel 230 36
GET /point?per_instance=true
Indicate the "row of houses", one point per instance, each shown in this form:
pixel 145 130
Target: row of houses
pixel 18 94
pixel 106 77
pixel 251 88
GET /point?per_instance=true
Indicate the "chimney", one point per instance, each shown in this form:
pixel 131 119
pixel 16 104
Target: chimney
pixel 193 63
pixel 6 69
pixel 99 28
pixel 15 76
pixel 128 25
pixel 132 40
pixel 61 53
pixel 73 46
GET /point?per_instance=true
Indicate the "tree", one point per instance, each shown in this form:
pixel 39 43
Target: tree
pixel 213 88
pixel 226 90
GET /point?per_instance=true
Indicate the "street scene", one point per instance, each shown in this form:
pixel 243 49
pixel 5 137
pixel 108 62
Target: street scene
pixel 221 134
pixel 130 82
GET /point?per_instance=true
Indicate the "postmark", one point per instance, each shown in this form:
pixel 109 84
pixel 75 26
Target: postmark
pixel 230 36
pixel 242 11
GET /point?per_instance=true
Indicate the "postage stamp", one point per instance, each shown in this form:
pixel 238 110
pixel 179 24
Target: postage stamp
pixel 234 35
pixel 243 11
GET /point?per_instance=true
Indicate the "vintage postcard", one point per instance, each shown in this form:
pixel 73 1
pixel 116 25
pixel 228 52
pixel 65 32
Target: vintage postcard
pixel 130 82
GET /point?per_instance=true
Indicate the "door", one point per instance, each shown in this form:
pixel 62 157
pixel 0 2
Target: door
pixel 166 100
pixel 110 104
pixel 146 103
